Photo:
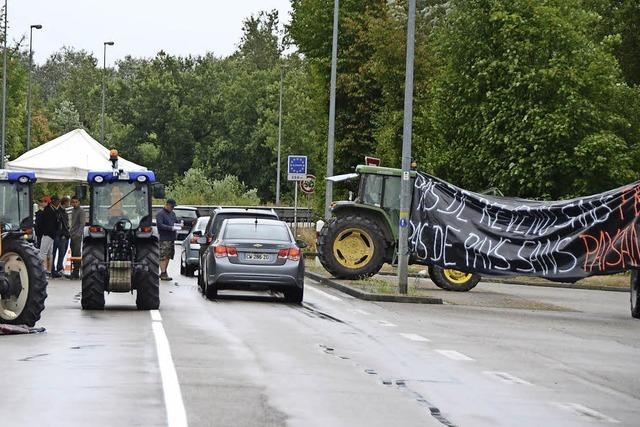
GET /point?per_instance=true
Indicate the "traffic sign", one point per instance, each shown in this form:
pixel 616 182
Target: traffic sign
pixel 308 185
pixel 297 170
pixel 372 161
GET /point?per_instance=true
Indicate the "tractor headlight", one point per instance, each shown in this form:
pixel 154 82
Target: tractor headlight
pixel 99 179
pixel 141 178
pixel 23 179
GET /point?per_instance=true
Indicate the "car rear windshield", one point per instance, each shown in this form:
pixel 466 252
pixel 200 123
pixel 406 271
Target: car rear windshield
pixel 186 213
pixel 257 232
pixel 221 217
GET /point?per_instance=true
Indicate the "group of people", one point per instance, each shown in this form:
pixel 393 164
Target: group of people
pixel 54 231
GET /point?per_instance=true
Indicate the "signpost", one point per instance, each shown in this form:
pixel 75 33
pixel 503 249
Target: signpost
pixel 297 171
pixel 372 161
pixel 308 185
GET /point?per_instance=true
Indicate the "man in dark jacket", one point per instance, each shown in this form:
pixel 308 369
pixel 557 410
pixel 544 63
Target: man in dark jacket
pixel 61 241
pixel 167 227
pixel 49 228
pixel 38 224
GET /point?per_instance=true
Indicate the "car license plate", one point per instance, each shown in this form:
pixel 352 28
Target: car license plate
pixel 257 257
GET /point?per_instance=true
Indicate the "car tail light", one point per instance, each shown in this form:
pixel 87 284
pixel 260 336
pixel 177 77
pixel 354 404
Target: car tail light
pixel 146 229
pixel 292 253
pixel 223 251
pixel 96 229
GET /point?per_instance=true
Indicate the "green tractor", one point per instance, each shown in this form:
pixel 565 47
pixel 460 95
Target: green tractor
pixel 23 283
pixel 363 234
pixel 120 249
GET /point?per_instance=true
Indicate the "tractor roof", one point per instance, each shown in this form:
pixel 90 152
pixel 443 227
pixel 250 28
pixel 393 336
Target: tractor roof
pixel 130 176
pixel 17 176
pixel 379 170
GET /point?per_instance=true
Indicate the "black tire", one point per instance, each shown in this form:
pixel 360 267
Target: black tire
pixel 635 294
pixel 93 281
pixel 211 291
pixel 439 277
pixel 148 280
pixel 182 265
pixel 24 254
pixel 190 270
pixel 333 230
pixel 200 281
pixel 294 295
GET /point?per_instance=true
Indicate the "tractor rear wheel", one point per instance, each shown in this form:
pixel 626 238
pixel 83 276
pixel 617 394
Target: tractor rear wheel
pixel 352 247
pixel 453 280
pixel 635 294
pixel 93 281
pixel 148 280
pixel 25 273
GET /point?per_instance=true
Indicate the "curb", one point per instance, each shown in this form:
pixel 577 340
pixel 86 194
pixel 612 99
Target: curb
pixel 366 296
pixel 489 279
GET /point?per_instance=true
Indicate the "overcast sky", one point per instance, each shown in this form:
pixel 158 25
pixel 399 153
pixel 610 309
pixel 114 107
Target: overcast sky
pixel 139 28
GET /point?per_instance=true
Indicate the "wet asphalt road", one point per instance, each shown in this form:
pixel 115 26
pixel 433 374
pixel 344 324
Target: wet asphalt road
pixel 249 359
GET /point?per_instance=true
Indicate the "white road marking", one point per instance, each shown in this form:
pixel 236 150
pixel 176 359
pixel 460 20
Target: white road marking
pixel 415 337
pixel 155 316
pixel 453 355
pixel 324 294
pixel 176 414
pixel 357 310
pixel 387 324
pixel 506 377
pixel 583 411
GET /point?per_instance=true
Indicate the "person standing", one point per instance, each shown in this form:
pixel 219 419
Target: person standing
pixel 167 227
pixel 76 231
pixel 61 242
pixel 38 224
pixel 48 228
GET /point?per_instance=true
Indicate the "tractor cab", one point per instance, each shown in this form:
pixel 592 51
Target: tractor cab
pixel 16 209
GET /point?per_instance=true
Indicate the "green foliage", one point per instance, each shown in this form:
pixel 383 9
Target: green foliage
pixel 526 101
pixel 195 188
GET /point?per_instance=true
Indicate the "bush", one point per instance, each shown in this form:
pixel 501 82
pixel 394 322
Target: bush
pixel 195 188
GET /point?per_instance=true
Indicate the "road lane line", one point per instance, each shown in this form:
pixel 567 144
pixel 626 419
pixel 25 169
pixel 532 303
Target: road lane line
pixel 415 337
pixel 586 412
pixel 506 377
pixel 155 316
pixel 453 355
pixel 324 294
pixel 176 414
pixel 387 324
pixel 366 313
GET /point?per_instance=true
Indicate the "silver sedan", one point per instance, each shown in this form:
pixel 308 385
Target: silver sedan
pixel 252 253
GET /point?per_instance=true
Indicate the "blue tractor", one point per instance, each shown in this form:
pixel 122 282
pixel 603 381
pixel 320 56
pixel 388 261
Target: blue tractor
pixel 120 251
pixel 23 283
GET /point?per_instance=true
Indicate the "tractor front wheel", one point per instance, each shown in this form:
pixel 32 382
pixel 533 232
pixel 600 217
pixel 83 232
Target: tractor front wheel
pixel 93 280
pixel 27 279
pixel 352 247
pixel 453 280
pixel 148 281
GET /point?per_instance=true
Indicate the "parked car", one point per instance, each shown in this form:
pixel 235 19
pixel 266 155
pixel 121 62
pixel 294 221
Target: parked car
pixel 187 214
pixel 253 253
pixel 189 257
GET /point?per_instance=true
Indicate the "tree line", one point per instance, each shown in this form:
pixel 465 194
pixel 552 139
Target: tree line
pixel 537 98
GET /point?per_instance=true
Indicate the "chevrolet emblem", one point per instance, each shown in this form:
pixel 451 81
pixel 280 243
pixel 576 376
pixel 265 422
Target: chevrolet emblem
pixel 257 245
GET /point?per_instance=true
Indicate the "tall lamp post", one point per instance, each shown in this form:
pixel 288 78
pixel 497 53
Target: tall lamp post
pixel 104 72
pixel 4 87
pixel 332 112
pixel 37 27
pixel 279 136
pixel 405 189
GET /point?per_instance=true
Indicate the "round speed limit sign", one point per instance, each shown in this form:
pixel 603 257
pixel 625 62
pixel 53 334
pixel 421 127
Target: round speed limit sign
pixel 308 185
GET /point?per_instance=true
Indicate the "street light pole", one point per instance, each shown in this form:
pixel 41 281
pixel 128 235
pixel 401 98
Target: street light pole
pixel 4 88
pixel 104 72
pixel 279 136
pixel 405 189
pixel 332 112
pixel 37 27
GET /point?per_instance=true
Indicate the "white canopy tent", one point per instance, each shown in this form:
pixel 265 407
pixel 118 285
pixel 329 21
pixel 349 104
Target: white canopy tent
pixel 68 158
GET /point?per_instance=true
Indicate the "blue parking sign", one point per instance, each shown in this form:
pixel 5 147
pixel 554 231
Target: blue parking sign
pixel 297 170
